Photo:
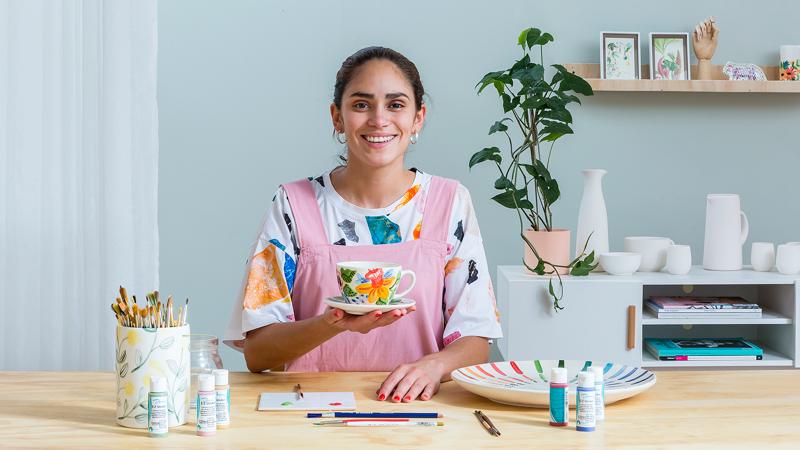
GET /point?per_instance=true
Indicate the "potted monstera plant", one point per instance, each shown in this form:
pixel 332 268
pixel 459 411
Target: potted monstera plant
pixel 537 110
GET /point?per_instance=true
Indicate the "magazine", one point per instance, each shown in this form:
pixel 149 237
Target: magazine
pixel 711 358
pixel 703 303
pixel 659 347
pixel 703 313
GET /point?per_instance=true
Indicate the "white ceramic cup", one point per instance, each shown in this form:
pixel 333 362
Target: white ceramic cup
pixel 762 256
pixel 652 249
pixel 679 259
pixel 787 258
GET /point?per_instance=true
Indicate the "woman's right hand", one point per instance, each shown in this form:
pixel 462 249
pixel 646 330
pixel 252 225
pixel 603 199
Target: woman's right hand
pixel 365 323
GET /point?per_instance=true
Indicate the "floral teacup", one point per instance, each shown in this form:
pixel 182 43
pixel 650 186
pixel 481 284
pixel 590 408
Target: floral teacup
pixel 370 282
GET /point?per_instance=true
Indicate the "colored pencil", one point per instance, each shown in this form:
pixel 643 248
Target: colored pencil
pixel 376 415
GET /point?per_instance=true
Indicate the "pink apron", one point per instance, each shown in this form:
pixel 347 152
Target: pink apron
pixel 382 349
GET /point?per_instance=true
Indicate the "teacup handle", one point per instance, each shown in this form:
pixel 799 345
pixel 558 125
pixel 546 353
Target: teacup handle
pixel 745 227
pixel 413 282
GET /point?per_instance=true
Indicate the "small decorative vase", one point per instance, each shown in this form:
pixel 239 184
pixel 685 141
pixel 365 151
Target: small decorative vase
pixel 592 217
pixel 790 63
pixel 145 352
pixel 552 246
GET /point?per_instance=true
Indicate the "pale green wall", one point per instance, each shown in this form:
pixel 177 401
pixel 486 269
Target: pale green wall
pixel 244 89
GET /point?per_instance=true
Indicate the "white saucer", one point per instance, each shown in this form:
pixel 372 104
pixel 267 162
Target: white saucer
pixel 361 309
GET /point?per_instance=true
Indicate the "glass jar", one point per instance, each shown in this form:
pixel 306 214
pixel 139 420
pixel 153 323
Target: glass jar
pixel 204 357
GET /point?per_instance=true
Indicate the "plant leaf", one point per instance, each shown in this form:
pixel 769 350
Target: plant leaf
pixel 509 197
pixel 488 79
pixel 489 153
pixel 503 183
pixel 561 115
pixel 123 371
pixel 550 191
pixel 122 356
pixel 499 126
pixel 539 269
pixel 533 102
pixel 533 35
pixel 543 39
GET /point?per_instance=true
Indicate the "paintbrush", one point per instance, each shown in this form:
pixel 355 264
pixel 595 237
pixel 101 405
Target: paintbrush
pixel 169 311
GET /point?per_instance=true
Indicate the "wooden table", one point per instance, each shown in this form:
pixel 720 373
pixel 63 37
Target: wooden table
pixel 744 408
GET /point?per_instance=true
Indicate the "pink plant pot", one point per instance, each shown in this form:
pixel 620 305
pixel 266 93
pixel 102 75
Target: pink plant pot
pixel 552 246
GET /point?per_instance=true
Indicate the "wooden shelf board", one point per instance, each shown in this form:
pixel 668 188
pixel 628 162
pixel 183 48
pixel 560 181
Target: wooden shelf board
pixel 767 318
pixel 720 83
pixel 771 359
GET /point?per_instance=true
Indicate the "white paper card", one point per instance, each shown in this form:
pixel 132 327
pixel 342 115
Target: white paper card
pixel 311 401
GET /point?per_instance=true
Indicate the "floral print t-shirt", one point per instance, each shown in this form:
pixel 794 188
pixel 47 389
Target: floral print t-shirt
pixel 266 295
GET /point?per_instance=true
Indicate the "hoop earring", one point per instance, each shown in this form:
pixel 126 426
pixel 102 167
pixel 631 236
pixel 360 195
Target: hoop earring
pixel 414 138
pixel 341 138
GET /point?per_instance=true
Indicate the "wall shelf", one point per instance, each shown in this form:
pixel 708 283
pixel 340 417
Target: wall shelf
pixel 767 318
pixel 720 83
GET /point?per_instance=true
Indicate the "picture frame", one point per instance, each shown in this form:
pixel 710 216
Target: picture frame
pixel 620 55
pixel 669 56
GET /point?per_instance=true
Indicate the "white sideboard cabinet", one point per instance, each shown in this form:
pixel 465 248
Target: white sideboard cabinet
pixel 604 319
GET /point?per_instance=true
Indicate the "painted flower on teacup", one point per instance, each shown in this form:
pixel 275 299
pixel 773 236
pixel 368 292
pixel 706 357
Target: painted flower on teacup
pixel 379 286
pixel 376 286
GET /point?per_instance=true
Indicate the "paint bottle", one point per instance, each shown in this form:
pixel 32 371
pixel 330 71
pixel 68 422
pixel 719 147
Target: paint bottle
pixel 157 418
pixel 599 394
pixel 206 406
pixel 559 397
pixel 223 396
pixel 584 402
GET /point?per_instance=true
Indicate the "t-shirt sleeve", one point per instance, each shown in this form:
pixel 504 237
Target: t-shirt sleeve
pixel 265 294
pixel 470 308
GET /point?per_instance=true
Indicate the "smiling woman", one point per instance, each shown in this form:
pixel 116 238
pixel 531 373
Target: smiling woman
pixel 369 209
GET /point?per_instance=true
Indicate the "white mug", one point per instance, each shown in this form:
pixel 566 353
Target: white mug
pixel 787 259
pixel 762 256
pixel 652 249
pixel 679 259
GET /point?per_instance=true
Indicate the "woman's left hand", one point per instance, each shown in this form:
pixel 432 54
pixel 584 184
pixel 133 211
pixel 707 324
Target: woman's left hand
pixel 408 382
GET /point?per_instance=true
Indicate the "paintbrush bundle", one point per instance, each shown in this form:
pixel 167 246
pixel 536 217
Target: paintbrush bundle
pixel 152 314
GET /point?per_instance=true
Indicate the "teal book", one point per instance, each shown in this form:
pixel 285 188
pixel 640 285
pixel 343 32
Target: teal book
pixel 701 347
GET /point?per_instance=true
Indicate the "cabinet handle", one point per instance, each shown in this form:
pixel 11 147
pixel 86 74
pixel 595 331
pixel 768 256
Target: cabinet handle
pixel 631 327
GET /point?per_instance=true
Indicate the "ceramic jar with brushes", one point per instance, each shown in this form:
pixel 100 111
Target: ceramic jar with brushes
pixel 151 340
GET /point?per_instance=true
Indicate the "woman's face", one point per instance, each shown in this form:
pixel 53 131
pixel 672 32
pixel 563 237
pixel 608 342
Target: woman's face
pixel 378 114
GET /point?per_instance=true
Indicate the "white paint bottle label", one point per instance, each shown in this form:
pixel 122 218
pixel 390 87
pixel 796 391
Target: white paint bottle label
pixel 206 413
pixel 585 409
pixel 157 419
pixel 223 407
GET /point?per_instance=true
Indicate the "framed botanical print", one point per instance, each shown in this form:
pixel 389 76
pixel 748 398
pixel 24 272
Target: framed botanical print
pixel 669 56
pixel 620 56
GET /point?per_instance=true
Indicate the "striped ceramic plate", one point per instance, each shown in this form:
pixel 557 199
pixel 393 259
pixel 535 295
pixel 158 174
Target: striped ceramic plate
pixel 527 383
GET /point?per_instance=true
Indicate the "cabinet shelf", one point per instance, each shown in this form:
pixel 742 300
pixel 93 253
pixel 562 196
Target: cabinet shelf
pixel 771 359
pixel 720 83
pixel 767 318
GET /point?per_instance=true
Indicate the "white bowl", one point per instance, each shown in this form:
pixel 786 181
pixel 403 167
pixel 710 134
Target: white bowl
pixel 620 263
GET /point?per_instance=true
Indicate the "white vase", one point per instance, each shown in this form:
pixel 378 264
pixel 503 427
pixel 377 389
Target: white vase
pixel 146 352
pixel 592 217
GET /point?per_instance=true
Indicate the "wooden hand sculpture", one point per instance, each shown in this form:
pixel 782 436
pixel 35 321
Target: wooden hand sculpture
pixel 704 41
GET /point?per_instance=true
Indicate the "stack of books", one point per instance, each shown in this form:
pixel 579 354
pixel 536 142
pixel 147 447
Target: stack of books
pixel 703 349
pixel 702 308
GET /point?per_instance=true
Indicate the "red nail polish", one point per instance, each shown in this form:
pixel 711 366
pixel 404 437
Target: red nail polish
pixel 382 396
pixel 408 398
pixel 396 398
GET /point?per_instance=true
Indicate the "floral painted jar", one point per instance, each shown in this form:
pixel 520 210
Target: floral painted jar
pixel 146 352
pixel 790 63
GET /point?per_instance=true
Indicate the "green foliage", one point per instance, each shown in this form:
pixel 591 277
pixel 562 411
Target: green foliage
pixel 538 108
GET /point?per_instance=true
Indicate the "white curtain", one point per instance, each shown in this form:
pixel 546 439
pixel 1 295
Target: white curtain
pixel 78 176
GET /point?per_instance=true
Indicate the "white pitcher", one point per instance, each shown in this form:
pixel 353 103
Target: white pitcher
pixel 726 232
